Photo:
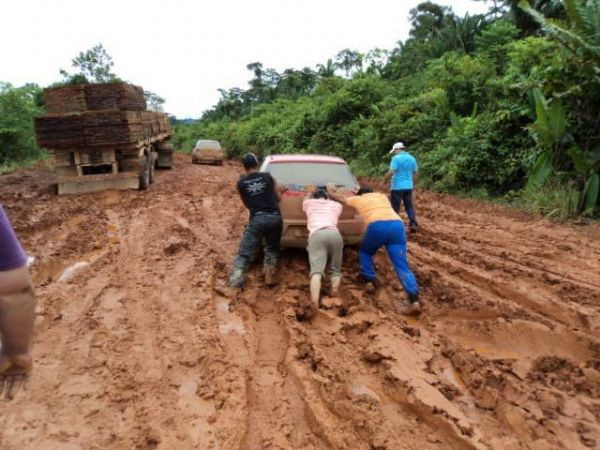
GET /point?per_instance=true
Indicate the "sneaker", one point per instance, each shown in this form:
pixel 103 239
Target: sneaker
pixel 414 227
pixel 269 272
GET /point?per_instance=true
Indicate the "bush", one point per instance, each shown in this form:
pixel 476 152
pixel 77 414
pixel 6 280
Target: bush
pixel 18 107
pixel 557 199
pixel 476 153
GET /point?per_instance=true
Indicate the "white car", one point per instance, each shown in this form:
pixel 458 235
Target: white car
pixel 208 151
pixel 297 171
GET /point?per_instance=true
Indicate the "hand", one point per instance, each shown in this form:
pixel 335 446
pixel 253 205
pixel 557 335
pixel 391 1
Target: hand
pixel 281 188
pixel 14 374
pixel 331 187
pixel 309 188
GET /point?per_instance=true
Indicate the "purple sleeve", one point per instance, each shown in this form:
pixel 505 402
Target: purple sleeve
pixel 12 255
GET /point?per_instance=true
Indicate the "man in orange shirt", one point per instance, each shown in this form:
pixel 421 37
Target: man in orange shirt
pixel 384 227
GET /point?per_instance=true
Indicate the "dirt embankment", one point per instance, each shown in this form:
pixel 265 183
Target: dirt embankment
pixel 143 347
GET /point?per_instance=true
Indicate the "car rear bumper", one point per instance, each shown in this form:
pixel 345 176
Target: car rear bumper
pixel 208 156
pixel 207 161
pixel 295 233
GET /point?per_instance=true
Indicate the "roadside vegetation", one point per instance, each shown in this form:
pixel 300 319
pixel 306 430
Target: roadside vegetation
pixel 18 106
pixel 501 106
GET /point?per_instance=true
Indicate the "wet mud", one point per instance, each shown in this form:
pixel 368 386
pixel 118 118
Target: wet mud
pixel 140 344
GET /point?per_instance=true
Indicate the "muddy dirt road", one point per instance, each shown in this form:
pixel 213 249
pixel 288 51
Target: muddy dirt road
pixel 139 345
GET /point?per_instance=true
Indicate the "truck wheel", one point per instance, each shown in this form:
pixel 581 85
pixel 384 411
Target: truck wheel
pixel 144 173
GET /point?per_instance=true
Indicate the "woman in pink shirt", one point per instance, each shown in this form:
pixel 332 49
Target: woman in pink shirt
pixel 324 240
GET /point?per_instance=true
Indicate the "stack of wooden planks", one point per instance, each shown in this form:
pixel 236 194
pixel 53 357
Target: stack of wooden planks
pixel 93 97
pixel 97 115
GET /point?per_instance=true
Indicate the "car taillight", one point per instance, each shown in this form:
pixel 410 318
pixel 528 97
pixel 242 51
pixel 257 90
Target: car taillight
pixel 289 193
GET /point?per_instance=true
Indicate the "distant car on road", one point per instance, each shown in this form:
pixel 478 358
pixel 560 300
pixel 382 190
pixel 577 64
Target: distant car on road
pixel 298 171
pixel 208 152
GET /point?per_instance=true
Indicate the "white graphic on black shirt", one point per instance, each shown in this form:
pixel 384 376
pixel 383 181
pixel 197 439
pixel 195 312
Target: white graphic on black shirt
pixel 256 187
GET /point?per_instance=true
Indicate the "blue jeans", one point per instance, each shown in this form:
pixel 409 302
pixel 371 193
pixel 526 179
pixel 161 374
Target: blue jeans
pixel 391 234
pixel 404 196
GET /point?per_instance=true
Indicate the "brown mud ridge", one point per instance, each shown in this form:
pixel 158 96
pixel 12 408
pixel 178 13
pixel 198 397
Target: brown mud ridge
pixel 139 345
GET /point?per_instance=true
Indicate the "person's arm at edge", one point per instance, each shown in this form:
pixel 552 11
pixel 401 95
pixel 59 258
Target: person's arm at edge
pixel 17 317
pixel 388 175
pixel 278 189
pixel 332 191
pixel 241 196
pixel 309 189
pixel 415 176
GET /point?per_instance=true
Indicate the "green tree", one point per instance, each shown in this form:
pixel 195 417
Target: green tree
pixel 154 101
pixel 580 34
pixel 494 41
pixel 376 60
pixel 93 66
pixel 18 107
pixel 328 69
pixel 349 60
pixel 428 19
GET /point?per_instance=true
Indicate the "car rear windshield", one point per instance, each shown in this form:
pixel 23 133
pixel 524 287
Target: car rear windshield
pixel 299 174
pixel 204 144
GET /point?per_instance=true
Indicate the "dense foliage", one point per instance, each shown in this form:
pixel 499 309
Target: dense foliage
pixel 18 106
pixel 501 104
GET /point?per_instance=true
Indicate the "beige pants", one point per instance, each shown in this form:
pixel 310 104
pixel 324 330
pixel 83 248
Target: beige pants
pixel 323 245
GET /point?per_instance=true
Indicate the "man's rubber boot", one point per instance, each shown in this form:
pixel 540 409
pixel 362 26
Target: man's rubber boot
pixel 270 275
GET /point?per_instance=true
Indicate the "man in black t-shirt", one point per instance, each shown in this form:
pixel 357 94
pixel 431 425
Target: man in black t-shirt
pixel 260 194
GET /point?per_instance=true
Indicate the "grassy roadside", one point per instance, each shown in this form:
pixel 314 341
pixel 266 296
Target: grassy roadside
pixel 14 166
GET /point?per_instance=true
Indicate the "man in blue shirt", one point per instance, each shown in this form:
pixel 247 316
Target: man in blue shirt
pixel 405 172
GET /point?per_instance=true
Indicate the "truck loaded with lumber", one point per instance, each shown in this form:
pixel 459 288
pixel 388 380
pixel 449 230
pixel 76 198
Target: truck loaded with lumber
pixel 102 137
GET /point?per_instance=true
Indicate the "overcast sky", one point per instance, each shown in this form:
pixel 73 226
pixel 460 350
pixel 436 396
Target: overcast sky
pixel 184 50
